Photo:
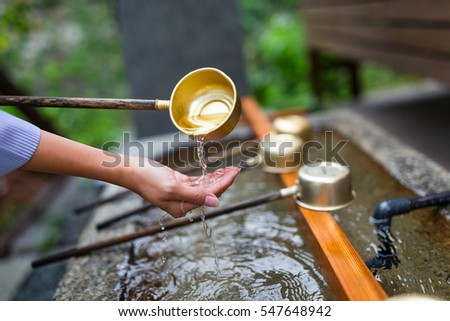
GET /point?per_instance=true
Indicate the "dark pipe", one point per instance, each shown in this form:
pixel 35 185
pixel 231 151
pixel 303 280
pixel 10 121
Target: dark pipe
pixel 386 256
pixel 387 209
pixel 117 218
pixel 84 208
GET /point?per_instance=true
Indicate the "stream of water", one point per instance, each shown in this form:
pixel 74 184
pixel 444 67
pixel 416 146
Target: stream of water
pixel 204 180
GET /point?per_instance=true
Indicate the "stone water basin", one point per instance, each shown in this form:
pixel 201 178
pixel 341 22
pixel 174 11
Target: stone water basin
pixel 262 256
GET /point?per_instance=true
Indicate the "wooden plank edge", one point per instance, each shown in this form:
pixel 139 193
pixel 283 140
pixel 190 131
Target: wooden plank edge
pixel 418 66
pixel 424 42
pixel 343 268
pixel 405 12
pixel 345 271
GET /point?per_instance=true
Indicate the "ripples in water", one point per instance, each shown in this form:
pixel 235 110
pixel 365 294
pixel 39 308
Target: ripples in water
pixel 261 257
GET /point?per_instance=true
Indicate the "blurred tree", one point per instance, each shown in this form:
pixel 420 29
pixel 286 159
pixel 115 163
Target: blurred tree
pixel 14 21
pixel 277 58
pixel 65 48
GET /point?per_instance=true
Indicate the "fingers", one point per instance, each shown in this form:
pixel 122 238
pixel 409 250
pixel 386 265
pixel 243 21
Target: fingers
pixel 227 178
pixel 178 208
pixel 195 195
pixel 207 195
pixel 182 210
pixel 187 197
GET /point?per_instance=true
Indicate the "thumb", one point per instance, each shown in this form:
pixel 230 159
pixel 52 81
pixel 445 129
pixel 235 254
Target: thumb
pixel 211 200
pixel 196 195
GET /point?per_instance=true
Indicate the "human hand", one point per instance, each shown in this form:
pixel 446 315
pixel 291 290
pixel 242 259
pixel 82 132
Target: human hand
pixel 170 190
pixel 177 193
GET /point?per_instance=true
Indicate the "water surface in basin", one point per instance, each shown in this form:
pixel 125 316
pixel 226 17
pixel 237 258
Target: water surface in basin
pixel 261 255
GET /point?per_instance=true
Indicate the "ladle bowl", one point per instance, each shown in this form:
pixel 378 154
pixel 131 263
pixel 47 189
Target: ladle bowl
pixel 205 104
pixel 294 125
pixel 279 153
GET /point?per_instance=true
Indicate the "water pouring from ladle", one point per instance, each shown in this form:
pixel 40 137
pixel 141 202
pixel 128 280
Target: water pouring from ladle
pixel 204 103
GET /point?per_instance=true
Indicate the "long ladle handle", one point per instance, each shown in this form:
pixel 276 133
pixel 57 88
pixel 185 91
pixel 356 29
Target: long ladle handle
pixel 154 229
pixel 117 218
pixel 75 102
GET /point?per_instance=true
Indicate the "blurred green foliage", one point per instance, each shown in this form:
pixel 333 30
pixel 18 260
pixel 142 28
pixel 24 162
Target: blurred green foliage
pixel 54 227
pixel 67 48
pixel 276 53
pixel 278 63
pixel 14 21
pixel 8 216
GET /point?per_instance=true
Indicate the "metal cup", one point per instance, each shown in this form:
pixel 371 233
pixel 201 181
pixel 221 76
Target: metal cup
pixel 278 153
pixel 281 154
pixel 324 186
pixel 295 125
pixel 205 104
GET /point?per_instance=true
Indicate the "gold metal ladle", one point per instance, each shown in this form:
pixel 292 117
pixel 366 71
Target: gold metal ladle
pixel 204 103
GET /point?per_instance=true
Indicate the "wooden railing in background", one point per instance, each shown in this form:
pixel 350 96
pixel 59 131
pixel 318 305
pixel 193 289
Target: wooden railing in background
pixel 410 36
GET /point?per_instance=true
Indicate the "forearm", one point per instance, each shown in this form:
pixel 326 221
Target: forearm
pixel 59 155
pixel 170 190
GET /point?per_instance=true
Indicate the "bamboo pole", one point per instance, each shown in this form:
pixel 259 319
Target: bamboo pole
pixel 75 102
pixel 117 218
pixel 90 206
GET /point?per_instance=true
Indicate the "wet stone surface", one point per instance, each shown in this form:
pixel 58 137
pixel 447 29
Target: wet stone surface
pixel 261 255
pixel 383 168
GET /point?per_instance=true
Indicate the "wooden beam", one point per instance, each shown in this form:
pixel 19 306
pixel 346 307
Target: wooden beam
pixel 414 40
pixel 346 46
pixel 399 11
pixel 346 273
pixel 308 4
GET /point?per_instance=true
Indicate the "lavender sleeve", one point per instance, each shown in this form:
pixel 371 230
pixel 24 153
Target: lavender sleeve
pixel 18 142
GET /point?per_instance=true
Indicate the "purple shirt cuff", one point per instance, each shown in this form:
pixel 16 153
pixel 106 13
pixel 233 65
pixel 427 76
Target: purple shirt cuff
pixel 18 142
